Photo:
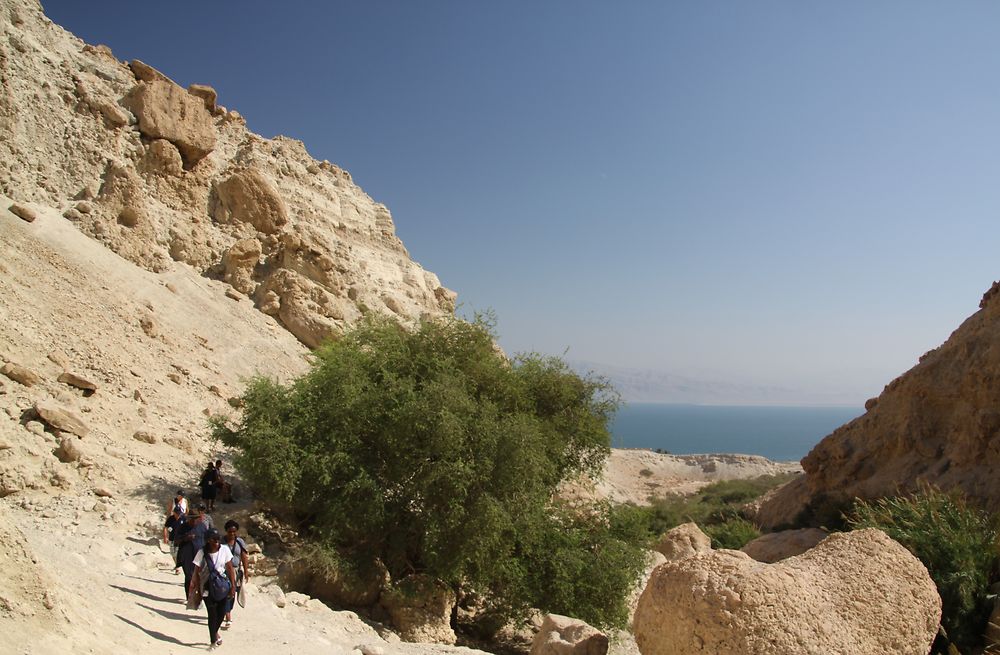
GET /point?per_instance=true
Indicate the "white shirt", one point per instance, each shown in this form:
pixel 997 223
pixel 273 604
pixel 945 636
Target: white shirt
pixel 218 559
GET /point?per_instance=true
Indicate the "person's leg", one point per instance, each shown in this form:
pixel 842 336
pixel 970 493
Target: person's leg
pixel 216 610
pixel 188 573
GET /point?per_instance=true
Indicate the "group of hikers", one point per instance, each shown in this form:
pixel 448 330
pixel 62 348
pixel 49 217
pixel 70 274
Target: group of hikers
pixel 215 564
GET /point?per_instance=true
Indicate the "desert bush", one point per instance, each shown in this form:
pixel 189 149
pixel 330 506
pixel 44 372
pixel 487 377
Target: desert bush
pixel 715 508
pixel 732 533
pixel 956 542
pixel 429 451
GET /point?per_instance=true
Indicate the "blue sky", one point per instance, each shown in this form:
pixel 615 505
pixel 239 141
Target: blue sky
pixel 788 193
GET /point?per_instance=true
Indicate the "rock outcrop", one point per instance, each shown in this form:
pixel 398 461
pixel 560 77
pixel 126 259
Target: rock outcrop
pixel 858 592
pixel 420 608
pixel 939 423
pixel 163 176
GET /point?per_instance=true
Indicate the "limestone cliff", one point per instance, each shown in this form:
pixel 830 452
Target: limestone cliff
pixel 165 176
pixel 939 422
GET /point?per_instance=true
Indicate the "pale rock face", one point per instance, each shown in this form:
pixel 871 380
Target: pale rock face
pixel 420 608
pixel 939 422
pixel 683 541
pixel 858 592
pixel 562 635
pixel 166 111
pixel 776 546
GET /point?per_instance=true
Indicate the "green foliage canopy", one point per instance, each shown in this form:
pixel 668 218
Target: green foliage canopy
pixel 429 451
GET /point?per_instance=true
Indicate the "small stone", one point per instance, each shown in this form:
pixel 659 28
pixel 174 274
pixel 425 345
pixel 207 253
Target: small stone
pixel 103 492
pixel 72 214
pixel 84 207
pixel 69 450
pixel 234 294
pixel 19 373
pixel 77 381
pixel 23 212
pixel 60 358
pixel 174 377
pixel 137 395
pixel 146 437
pixel 61 419
pixel 36 427
pixel 149 326
pixel 129 216
pixel 170 287
pixel 370 649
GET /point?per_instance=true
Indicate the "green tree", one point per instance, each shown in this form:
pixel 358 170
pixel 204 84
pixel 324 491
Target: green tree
pixel 429 451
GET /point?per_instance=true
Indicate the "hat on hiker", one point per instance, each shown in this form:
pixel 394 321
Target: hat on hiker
pixel 212 534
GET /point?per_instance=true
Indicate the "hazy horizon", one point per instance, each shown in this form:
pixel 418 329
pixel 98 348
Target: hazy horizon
pixel 775 195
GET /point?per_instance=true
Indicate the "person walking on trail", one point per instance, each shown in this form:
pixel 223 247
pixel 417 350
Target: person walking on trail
pixel 213 568
pixel 209 484
pixel 190 541
pixel 171 529
pixel 179 499
pixel 240 562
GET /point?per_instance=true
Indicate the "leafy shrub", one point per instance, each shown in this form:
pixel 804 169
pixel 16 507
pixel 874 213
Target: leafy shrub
pixel 427 450
pixel 732 533
pixel 957 543
pixel 714 504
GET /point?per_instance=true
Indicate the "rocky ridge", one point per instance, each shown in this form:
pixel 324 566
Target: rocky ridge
pixel 164 176
pixel 938 423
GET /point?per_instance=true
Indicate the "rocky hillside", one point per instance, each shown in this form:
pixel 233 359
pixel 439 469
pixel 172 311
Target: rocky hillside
pixel 939 422
pixel 165 176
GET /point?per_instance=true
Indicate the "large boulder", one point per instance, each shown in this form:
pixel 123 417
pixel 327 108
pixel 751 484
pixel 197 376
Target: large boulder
pixel 858 592
pixel 247 196
pixel 938 423
pixel 683 541
pixel 166 111
pixel 562 635
pixel 776 546
pixel 420 608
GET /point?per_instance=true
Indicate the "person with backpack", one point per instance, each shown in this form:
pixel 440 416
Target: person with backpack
pixel 190 539
pixel 240 562
pixel 214 582
pixel 209 484
pixel 171 529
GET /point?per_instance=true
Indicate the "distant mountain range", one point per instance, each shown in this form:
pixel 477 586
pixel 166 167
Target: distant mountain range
pixel 654 386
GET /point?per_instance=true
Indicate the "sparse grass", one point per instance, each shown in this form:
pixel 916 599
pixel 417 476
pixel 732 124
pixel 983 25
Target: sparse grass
pixel 959 546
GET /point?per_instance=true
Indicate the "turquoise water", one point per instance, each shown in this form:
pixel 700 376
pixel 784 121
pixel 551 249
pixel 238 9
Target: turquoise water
pixel 779 433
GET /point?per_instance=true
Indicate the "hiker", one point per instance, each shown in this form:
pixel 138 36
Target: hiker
pixel 190 541
pixel 209 485
pixel 225 488
pixel 179 499
pixel 241 564
pixel 213 569
pixel 171 528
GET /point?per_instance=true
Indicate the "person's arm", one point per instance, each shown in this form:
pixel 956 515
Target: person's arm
pixel 232 578
pixel 166 535
pixel 246 564
pixel 195 580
